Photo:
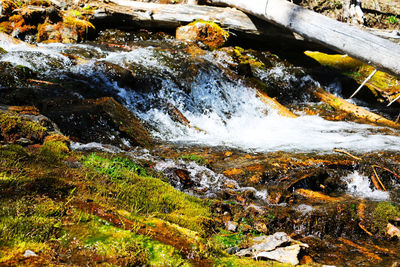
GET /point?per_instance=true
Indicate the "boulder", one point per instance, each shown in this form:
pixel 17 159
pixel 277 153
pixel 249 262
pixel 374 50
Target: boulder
pixel 208 33
pixel 101 120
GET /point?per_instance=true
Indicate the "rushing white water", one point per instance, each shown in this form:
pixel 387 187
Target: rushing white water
pixel 226 111
pixel 359 185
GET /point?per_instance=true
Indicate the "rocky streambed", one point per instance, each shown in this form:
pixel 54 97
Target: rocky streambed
pixel 139 149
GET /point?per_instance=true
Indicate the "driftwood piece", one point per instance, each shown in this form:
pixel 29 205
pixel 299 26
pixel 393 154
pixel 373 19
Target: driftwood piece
pixel 317 196
pixel 133 14
pixel 359 112
pixel 274 104
pixel 373 50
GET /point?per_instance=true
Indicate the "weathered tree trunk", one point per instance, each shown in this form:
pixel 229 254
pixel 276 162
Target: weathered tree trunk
pixel 132 14
pixel 378 52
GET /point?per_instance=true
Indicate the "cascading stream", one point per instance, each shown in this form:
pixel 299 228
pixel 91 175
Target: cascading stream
pixel 222 110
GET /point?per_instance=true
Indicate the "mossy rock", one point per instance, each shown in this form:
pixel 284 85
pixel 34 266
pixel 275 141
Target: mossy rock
pixel 14 127
pixel 208 33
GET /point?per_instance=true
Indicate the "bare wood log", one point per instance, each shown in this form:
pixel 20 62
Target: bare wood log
pixel 274 104
pixel 150 15
pixel 316 195
pixel 373 50
pixel 359 112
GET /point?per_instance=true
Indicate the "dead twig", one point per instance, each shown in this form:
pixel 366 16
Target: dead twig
pixel 42 82
pixel 377 177
pixel 346 153
pixel 364 229
pixel 386 169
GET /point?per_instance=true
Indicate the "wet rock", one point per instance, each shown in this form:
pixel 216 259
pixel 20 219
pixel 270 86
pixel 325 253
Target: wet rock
pixel 232 250
pixel 14 75
pixel 29 253
pixel 101 120
pixel 184 178
pixel 231 226
pixel 114 72
pixel 208 33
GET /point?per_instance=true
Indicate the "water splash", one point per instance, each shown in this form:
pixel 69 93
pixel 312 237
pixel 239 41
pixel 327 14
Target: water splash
pixel 359 185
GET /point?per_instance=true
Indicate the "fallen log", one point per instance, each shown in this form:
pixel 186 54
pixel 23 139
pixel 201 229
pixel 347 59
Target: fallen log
pixel 133 14
pixel 373 50
pixel 360 113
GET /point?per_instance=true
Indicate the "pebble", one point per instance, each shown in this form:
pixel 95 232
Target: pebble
pixel 30 253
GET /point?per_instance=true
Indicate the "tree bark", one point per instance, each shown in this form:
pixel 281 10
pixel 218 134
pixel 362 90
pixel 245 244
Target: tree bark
pixel 132 14
pixel 373 50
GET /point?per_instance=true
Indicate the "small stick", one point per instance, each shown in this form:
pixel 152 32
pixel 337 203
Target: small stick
pixel 375 182
pixel 364 229
pixel 346 153
pixel 43 82
pixel 364 82
pixel 397 119
pixel 379 180
pixel 394 100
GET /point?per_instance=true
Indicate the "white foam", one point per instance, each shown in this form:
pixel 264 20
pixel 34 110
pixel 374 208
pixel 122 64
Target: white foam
pixel 359 185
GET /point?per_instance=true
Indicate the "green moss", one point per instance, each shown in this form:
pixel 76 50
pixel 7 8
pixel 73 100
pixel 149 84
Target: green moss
pixel 13 152
pixel 196 158
pixel 14 127
pixel 383 213
pixel 2 51
pixel 145 195
pixel 127 246
pixel 29 220
pixel 226 239
pixel 53 151
pixel 243 58
pixel 238 262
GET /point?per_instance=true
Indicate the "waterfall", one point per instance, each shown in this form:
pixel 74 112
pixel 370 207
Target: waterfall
pixel 194 101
